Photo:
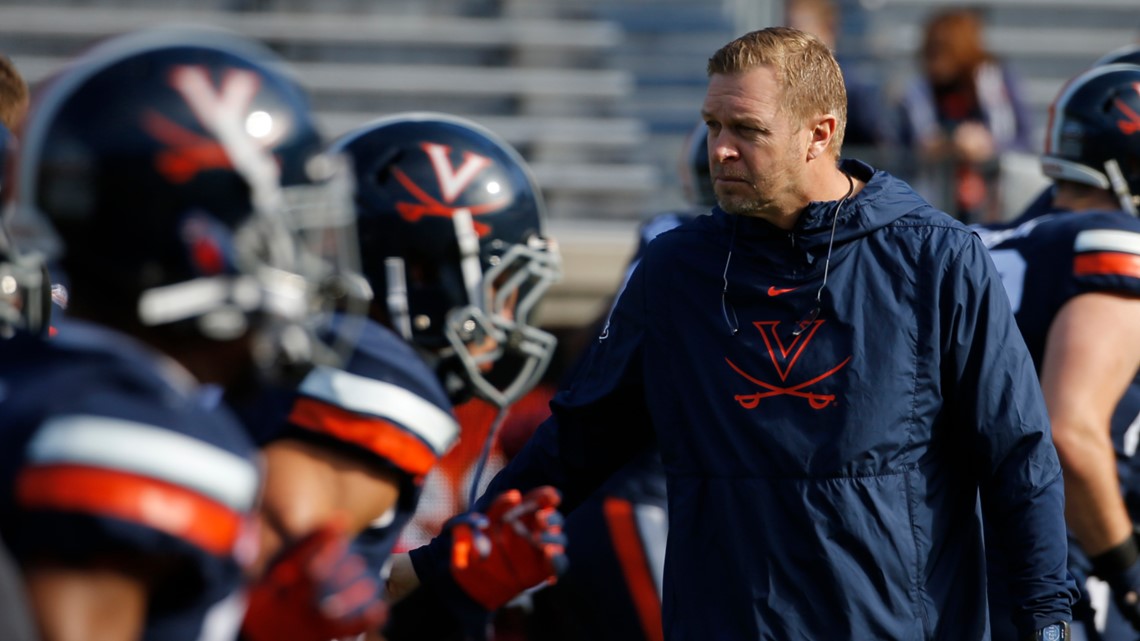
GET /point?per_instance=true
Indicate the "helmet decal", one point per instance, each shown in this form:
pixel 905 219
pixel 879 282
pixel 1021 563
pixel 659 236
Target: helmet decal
pixel 452 237
pixel 1131 122
pixel 452 184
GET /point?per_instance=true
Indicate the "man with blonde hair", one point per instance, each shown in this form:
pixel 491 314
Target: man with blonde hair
pixel 832 373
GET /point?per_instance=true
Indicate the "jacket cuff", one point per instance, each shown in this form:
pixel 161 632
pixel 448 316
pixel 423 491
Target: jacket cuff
pixel 432 564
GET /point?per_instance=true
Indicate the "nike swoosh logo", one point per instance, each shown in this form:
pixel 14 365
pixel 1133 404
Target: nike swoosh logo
pixel 776 291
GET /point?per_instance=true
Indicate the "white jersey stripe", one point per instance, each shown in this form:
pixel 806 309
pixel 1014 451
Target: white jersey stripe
pixel 379 398
pixel 148 450
pixel 1107 240
pixel 653 528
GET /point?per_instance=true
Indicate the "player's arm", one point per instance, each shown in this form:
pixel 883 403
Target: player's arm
pixel 307 484
pixel 1092 354
pixel 105 603
pixel 350 444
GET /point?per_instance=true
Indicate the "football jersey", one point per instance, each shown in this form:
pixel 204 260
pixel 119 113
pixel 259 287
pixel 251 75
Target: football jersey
pixel 1044 263
pixel 385 404
pixel 1049 260
pixel 106 450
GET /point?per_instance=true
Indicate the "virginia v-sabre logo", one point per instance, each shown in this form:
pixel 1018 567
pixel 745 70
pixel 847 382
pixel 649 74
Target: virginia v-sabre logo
pixel 784 358
pixel 453 183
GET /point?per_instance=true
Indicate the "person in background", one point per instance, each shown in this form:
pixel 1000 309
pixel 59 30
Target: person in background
pixel 13 105
pixel 963 111
pixel 14 95
pixel 869 127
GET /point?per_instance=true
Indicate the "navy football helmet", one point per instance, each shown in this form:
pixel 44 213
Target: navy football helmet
pixel 452 236
pixel 184 186
pixel 1093 136
pixel 695 174
pixel 1128 54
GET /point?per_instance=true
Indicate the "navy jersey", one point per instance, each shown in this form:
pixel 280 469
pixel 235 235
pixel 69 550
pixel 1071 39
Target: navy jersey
pixel 107 451
pixel 1049 260
pixel 1045 262
pixel 385 405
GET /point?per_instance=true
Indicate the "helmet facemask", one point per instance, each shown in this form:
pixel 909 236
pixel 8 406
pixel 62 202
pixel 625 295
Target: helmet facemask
pixel 492 351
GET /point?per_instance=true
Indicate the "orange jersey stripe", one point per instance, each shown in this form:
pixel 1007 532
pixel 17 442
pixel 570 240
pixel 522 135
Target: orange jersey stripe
pixel 175 510
pixel 1107 264
pixel 370 432
pixel 634 565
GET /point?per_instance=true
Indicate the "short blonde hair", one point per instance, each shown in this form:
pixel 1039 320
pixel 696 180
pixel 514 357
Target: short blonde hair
pixel 809 76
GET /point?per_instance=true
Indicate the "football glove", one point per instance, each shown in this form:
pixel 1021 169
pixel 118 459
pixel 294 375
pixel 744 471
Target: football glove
pixel 516 545
pixel 317 590
pixel 1120 569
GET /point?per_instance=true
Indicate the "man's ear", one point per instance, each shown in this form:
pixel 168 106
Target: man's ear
pixel 821 130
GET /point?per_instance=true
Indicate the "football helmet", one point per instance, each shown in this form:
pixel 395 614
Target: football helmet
pixel 453 237
pixel 695 174
pixel 1093 136
pixel 1128 54
pixel 177 178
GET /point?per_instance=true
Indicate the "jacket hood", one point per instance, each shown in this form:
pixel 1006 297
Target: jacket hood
pixel 883 200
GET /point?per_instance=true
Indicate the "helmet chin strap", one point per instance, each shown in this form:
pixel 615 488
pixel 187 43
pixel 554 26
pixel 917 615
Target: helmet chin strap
pixel 481 464
pixel 1120 186
pixel 469 264
pixel 396 298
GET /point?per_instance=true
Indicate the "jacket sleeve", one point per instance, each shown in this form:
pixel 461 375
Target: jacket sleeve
pixel 993 387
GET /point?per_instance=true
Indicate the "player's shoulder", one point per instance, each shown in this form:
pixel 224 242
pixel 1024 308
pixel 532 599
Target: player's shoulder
pixel 103 454
pixel 1084 231
pixel 380 354
pixel 385 400
pixel 1100 250
pixel 74 375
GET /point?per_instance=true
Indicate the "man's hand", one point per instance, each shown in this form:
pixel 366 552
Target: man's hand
pixel 317 590
pixel 518 544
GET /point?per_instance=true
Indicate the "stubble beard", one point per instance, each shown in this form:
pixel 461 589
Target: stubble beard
pixel 743 204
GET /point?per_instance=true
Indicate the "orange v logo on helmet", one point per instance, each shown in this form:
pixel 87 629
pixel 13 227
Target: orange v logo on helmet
pixel 452 183
pixel 1132 124
pixel 784 358
pixel 189 152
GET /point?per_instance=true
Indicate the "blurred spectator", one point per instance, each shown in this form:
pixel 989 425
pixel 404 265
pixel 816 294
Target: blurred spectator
pixel 867 124
pixel 13 95
pixel 963 112
pixel 13 105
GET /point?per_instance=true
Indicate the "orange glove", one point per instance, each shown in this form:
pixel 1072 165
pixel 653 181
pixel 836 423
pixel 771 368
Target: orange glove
pixel 518 544
pixel 317 590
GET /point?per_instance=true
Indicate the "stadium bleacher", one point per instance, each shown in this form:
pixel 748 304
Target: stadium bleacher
pixel 596 94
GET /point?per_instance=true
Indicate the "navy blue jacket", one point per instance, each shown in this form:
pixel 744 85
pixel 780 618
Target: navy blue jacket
pixel 829 485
